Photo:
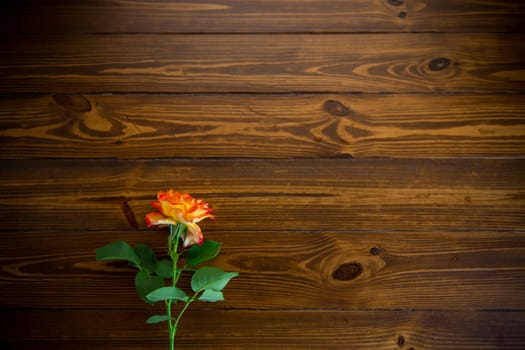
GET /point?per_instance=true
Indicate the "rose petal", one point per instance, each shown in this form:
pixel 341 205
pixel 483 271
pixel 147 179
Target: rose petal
pixel 193 235
pixel 175 207
pixel 155 218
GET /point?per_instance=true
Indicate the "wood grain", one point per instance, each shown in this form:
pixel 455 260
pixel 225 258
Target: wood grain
pixel 243 329
pixel 339 194
pixel 365 160
pixel 263 63
pixel 439 270
pixel 266 16
pixel 261 126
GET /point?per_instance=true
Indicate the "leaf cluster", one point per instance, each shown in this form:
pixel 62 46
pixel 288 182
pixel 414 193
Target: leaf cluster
pixel 152 279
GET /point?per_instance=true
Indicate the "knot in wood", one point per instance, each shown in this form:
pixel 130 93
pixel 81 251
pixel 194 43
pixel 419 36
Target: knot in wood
pixel 75 103
pixel 348 271
pixel 396 2
pixel 343 156
pixel 375 251
pixel 336 108
pixel 400 341
pixel 438 64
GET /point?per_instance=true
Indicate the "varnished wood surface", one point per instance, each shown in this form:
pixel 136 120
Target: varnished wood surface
pixel 365 160
pixel 439 270
pixel 248 16
pixel 247 329
pixel 261 126
pixel 340 194
pixel 372 63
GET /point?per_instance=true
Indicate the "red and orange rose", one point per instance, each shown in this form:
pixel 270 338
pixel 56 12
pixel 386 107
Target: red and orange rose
pixel 175 207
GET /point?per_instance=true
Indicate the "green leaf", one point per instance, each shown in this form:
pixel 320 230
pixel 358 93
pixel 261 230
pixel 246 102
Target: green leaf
pixel 164 268
pixel 211 278
pixel 158 318
pixel 119 250
pixel 145 283
pixel 147 257
pixel 211 296
pixel 167 293
pixel 207 251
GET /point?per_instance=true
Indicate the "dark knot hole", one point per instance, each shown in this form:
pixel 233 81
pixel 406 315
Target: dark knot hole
pixel 438 64
pixel 348 271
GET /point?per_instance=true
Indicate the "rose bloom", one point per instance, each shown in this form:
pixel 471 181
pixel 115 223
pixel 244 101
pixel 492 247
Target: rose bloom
pixel 175 207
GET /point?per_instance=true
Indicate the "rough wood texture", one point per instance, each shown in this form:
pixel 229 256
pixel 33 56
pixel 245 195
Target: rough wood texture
pixel 249 16
pixel 440 270
pixel 365 159
pixel 248 329
pixel 341 194
pixel 262 126
pixel 264 63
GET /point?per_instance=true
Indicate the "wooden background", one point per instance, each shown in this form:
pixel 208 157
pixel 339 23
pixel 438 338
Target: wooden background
pixel 365 159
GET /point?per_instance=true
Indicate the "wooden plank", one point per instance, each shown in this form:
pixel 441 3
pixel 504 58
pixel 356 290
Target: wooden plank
pixel 344 194
pixel 261 126
pixel 249 16
pixel 263 63
pixel 288 270
pixel 227 329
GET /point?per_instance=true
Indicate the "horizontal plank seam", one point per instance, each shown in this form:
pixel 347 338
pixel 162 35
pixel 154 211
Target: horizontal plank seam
pixel 286 231
pixel 218 33
pixel 255 93
pixel 286 161
pixel 300 33
pixel 270 309
pixel 342 158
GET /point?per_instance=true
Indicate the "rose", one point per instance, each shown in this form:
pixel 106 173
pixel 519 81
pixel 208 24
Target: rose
pixel 156 279
pixel 175 207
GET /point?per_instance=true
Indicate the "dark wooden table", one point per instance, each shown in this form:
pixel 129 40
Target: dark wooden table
pixel 365 160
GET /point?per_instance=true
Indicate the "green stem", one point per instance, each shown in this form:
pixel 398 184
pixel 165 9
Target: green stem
pixel 176 232
pixel 184 309
pixel 172 338
pixel 173 245
pixel 170 325
pixel 177 272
